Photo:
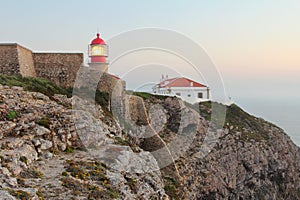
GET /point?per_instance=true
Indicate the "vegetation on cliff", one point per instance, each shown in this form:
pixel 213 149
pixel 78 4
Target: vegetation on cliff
pixel 49 88
pixel 41 155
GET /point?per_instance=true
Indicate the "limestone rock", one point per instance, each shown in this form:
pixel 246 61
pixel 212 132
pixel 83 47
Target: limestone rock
pixel 6 128
pixel 45 144
pixel 6 196
pixel 40 130
pixel 250 159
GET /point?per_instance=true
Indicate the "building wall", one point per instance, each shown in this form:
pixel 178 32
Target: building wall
pixel 26 63
pixel 189 94
pixel 9 63
pixel 60 68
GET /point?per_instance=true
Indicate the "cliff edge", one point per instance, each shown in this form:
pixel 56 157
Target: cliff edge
pixel 43 157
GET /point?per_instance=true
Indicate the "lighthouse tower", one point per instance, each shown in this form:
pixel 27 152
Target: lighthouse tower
pixel 98 53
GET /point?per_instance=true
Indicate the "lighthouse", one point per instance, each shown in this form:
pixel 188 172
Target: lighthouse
pixel 98 53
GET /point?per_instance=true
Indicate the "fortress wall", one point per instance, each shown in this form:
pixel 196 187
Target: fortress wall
pixel 26 61
pixel 61 68
pixel 9 63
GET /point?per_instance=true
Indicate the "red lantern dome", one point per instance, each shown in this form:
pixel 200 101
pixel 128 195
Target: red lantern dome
pixel 98 40
pixel 98 50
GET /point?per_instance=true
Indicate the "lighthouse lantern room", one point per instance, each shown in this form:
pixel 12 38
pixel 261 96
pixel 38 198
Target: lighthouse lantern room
pixel 98 53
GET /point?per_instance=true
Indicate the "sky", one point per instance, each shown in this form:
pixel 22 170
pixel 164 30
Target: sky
pixel 254 44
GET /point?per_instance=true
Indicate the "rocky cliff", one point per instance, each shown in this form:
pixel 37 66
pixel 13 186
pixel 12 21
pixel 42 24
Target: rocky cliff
pixel 42 154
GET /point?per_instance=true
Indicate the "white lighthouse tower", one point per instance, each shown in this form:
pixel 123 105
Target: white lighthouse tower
pixel 98 53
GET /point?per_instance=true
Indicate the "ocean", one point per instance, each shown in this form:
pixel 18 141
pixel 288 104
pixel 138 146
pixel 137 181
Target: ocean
pixel 281 112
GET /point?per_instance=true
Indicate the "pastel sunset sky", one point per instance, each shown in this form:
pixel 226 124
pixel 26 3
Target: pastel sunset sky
pixel 255 44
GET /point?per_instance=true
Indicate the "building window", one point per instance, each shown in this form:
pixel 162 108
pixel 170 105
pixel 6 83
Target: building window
pixel 189 95
pixel 200 95
pixel 178 94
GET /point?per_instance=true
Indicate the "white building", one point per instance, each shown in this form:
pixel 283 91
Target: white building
pixel 187 89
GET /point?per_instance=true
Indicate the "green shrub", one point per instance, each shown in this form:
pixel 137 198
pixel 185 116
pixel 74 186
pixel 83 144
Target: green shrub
pixel 31 173
pixel 19 194
pixel 54 151
pixel 250 126
pixel 257 136
pixel 49 88
pixel 97 186
pixel 39 193
pixel 11 115
pixel 101 98
pixel 120 141
pixel 64 173
pixel 44 121
pixel 24 159
pixel 146 95
pixel 132 183
pixel 21 181
pixel 171 187
pixel 34 84
pixel 298 193
pixel 70 149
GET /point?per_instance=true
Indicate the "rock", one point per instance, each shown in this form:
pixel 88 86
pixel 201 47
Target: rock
pixel 69 143
pixel 27 151
pixel 14 168
pixel 6 128
pixel 62 146
pixel 158 117
pixel 14 143
pixel 69 136
pixel 40 96
pixel 45 144
pixel 5 171
pixel 40 130
pixel 6 196
pixel 11 181
pixel 17 88
pixel 36 142
pixel 249 159
pixel 61 131
pixel 48 155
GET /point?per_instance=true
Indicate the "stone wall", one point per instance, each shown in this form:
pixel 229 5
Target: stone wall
pixel 9 63
pixel 26 63
pixel 61 68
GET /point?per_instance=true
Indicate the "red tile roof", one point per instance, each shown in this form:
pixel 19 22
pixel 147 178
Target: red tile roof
pixel 179 82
